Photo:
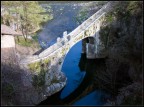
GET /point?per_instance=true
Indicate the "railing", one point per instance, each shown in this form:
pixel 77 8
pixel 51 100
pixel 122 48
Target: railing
pixel 72 35
pixel 75 31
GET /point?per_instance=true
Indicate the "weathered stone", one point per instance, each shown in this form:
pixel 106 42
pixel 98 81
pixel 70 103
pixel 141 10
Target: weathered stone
pixel 90 53
pixel 84 41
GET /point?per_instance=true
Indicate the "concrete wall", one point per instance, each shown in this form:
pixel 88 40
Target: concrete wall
pixel 7 41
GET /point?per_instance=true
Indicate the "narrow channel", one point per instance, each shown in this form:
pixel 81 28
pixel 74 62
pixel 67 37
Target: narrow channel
pixel 77 81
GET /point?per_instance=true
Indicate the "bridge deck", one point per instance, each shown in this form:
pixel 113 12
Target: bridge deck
pixel 62 43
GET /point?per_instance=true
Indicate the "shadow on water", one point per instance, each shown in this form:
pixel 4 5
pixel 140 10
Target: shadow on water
pixel 84 64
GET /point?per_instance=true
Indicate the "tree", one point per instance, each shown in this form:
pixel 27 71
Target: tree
pixel 82 16
pixel 25 15
pixel 85 11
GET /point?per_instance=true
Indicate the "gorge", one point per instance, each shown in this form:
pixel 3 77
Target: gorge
pixel 98 63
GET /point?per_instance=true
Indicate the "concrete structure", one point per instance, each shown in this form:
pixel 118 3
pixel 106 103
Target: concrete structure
pixel 7 36
pixel 7 41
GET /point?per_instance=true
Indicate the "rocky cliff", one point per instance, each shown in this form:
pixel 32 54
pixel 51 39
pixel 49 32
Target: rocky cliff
pixel 120 73
pixel 25 87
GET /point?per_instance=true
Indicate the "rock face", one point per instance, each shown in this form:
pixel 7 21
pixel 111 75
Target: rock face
pixel 121 39
pixel 55 81
pixel 17 83
pixel 94 47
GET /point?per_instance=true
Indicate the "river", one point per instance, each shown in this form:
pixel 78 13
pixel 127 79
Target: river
pixel 77 82
pixel 64 20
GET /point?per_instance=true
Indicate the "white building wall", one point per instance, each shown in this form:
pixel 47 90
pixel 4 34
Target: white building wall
pixel 7 41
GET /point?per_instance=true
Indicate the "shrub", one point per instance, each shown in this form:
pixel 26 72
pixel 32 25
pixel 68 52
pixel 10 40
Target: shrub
pixel 29 43
pixel 7 89
pixel 41 68
pixel 35 66
pixel 109 17
pixel 39 80
pixel 46 61
pixel 54 80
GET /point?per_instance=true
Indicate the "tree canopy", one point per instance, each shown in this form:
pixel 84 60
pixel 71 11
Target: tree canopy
pixel 25 14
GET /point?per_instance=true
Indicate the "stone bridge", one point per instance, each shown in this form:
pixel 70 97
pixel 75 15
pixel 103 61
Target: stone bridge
pixel 88 29
pixel 88 32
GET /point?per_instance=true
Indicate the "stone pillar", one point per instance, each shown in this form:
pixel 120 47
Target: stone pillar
pixel 90 51
pixel 58 39
pixel 100 50
pixel 65 35
pixel 90 48
pixel 91 40
pixel 84 41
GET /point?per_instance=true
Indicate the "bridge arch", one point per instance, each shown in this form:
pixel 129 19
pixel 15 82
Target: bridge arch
pixel 85 42
pixel 89 28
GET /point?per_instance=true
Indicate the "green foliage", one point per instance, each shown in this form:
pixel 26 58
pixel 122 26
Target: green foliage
pixel 7 88
pixel 134 6
pixel 109 17
pixel 35 37
pixel 38 66
pixel 46 61
pixel 39 80
pixel 26 14
pixel 54 80
pixel 82 16
pixel 104 33
pixel 126 9
pixel 41 68
pixel 101 2
pixel 29 43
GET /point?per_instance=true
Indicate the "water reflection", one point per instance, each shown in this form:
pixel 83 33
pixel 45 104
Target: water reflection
pixel 71 70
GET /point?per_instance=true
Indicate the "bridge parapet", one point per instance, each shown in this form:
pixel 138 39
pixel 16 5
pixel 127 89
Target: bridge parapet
pixel 88 28
pixel 81 27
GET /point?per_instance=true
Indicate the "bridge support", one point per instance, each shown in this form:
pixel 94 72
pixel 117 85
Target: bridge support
pixel 90 48
pixel 84 41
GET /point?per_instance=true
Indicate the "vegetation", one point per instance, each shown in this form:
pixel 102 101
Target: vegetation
pixel 135 99
pixel 122 37
pixel 25 15
pixel 29 43
pixel 122 12
pixel 37 66
pixel 109 17
pixel 85 11
pixel 104 35
pixel 41 68
pixel 39 80
pixel 82 16
pixel 7 89
pixel 54 80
